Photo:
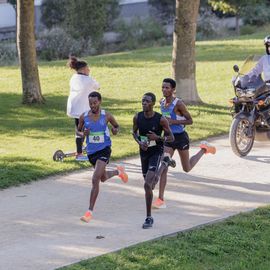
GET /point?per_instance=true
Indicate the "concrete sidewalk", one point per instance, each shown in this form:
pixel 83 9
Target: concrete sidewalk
pixel 40 226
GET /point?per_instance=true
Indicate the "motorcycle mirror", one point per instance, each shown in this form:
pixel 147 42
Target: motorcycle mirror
pixel 236 68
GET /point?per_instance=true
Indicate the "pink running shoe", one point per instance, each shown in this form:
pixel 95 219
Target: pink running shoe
pixel 122 174
pixel 159 204
pixel 208 147
pixel 86 217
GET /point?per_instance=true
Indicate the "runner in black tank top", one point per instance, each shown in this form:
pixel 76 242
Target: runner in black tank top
pixel 147 129
pixel 145 125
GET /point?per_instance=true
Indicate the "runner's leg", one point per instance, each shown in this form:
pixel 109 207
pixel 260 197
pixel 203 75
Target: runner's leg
pixel 151 180
pixel 108 174
pixel 163 175
pixel 189 163
pixel 79 140
pixel 98 173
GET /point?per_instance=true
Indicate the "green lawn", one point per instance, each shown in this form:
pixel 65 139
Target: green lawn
pixel 238 243
pixel 29 135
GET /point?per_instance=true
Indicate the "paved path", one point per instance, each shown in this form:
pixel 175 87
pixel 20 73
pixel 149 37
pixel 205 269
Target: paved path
pixel 40 226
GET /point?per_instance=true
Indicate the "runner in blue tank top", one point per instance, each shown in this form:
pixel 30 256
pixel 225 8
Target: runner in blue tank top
pixel 178 117
pixel 93 124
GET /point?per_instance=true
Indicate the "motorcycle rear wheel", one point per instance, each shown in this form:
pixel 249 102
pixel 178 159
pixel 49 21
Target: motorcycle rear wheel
pixel 241 141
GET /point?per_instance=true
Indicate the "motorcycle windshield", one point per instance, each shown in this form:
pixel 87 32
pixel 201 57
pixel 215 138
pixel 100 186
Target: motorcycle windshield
pixel 249 63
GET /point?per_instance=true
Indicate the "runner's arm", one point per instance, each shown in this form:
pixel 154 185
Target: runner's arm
pixel 183 111
pixel 168 135
pixel 143 145
pixel 80 130
pixel 113 122
pixel 135 129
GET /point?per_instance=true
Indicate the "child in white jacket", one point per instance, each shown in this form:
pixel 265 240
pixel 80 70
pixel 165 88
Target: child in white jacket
pixel 81 85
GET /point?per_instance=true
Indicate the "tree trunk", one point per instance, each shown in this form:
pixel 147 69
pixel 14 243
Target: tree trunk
pixel 26 46
pixel 183 56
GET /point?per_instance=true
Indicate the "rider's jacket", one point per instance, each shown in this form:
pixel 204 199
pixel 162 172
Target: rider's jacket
pixel 263 66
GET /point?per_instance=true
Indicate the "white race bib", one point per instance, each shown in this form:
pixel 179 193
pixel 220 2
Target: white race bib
pixel 150 143
pixel 96 137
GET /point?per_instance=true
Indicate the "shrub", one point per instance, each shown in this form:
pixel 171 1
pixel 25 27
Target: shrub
pixel 256 14
pixel 8 53
pixel 52 12
pixel 247 29
pixel 139 33
pixel 89 19
pixel 164 10
pixel 207 26
pixel 57 44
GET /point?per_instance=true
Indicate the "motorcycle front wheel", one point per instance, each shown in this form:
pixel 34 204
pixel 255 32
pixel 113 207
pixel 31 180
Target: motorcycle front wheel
pixel 242 136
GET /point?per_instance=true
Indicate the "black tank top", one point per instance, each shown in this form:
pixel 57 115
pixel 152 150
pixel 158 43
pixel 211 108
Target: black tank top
pixel 150 124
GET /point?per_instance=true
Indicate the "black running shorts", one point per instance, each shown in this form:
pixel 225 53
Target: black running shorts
pixel 181 141
pixel 103 155
pixel 150 161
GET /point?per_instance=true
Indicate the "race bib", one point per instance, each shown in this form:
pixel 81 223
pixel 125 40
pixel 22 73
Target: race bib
pixel 152 143
pixel 145 139
pixel 166 114
pixel 180 117
pixel 96 137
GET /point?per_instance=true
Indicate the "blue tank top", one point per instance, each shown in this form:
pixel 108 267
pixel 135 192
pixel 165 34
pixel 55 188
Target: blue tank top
pixel 170 113
pixel 99 136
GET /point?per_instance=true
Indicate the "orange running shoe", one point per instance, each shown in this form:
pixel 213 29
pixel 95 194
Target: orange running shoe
pixel 86 217
pixel 122 174
pixel 159 204
pixel 208 147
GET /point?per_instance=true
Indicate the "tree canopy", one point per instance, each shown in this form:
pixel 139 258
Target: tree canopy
pixel 13 3
pixel 53 12
pixel 163 9
pixel 232 6
pixel 89 19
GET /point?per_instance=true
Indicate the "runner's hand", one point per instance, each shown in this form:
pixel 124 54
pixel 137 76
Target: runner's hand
pixel 143 145
pixel 86 131
pixel 115 130
pixel 169 120
pixel 152 136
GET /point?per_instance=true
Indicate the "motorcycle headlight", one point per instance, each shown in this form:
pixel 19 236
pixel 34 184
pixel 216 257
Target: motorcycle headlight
pixel 249 92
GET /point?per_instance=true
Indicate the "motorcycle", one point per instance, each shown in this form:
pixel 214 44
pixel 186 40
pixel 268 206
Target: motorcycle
pixel 250 109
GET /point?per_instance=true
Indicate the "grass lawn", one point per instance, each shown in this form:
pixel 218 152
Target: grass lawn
pixel 30 135
pixel 238 243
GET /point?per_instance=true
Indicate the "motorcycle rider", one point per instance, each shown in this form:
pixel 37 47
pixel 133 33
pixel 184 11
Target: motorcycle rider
pixel 263 65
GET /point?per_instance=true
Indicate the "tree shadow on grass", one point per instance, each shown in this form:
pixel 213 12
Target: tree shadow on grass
pixel 16 117
pixel 51 116
pixel 51 119
pixel 19 170
pixel 209 108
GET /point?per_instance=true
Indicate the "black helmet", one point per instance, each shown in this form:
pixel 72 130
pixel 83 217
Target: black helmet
pixel 266 42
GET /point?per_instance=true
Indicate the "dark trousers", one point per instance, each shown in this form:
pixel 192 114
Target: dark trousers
pixel 79 140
